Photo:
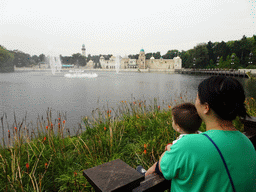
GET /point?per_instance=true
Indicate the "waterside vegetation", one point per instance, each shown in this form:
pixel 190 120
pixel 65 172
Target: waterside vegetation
pixel 53 160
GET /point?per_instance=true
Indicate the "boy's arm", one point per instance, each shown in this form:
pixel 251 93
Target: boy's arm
pixel 152 169
pixel 168 147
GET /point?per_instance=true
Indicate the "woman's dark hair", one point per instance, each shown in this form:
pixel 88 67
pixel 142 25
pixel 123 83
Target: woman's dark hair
pixel 225 96
pixel 185 115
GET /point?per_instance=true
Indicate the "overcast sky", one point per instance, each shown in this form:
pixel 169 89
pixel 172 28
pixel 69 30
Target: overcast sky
pixel 121 27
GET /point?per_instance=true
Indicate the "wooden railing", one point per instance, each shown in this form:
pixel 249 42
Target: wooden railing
pixel 118 176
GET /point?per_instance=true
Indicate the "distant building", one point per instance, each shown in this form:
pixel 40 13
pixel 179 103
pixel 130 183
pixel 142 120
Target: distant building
pixel 90 65
pixel 83 50
pixel 142 62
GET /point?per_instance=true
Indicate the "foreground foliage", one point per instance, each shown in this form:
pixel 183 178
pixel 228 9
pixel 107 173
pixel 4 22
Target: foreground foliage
pixel 134 132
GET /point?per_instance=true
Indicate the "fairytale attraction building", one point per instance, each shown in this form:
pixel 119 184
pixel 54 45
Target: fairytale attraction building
pixel 83 50
pixel 142 63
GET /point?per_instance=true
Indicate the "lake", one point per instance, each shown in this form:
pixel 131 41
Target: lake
pixel 34 92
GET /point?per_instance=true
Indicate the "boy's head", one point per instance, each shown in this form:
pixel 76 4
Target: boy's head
pixel 186 117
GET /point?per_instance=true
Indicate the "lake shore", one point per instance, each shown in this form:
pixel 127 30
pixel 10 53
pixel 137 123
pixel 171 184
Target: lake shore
pixel 86 69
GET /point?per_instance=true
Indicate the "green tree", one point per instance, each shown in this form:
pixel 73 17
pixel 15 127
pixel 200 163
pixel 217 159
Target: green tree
pixel 35 59
pixel 133 56
pixel 148 55
pixel 201 55
pixel 6 60
pixel 211 65
pixel 171 54
pixel 221 49
pixel 157 55
pixel 245 49
pixel 210 51
pixel 21 59
pixel 79 59
pixel 42 58
pixel 187 58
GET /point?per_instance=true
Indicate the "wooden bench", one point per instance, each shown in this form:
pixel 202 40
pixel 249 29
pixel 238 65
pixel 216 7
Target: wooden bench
pixel 118 176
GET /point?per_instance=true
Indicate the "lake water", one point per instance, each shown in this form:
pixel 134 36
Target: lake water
pixel 34 92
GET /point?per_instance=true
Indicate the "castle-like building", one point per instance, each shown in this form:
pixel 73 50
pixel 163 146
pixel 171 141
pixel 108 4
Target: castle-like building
pixel 142 62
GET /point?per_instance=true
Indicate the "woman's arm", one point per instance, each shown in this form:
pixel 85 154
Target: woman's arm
pixel 152 169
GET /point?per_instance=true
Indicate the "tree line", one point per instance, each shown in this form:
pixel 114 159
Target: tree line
pixel 241 53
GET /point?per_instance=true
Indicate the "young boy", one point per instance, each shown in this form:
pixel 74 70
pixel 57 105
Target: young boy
pixel 185 120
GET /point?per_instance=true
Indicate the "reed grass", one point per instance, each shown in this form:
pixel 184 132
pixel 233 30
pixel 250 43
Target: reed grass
pixel 47 158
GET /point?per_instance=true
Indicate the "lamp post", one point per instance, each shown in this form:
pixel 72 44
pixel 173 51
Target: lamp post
pixel 232 61
pixel 250 59
pixel 194 63
pixel 218 59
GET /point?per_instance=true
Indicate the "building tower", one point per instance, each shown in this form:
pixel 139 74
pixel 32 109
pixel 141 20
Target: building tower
pixel 142 59
pixel 83 50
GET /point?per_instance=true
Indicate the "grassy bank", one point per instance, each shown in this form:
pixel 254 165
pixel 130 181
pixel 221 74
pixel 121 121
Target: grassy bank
pixel 135 132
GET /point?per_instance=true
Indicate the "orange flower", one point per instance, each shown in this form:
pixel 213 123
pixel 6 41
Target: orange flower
pixel 137 116
pixel 145 151
pixel 125 101
pixel 15 128
pixel 8 131
pixel 134 103
pixel 158 107
pixel 169 106
pixel 75 173
pixel 174 100
pixel 145 146
pixel 44 139
pixel 59 124
pixel 46 127
pixel 181 97
pixel 59 118
pixel 107 112
pixel 27 165
pixel 105 128
pixel 64 122
pixel 110 111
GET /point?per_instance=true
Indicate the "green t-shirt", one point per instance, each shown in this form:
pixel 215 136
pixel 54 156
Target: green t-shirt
pixel 194 164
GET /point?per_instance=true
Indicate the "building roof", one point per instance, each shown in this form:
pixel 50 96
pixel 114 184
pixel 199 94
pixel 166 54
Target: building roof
pixel 142 50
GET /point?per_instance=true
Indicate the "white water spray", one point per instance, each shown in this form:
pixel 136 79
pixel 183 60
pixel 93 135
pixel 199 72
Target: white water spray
pixel 55 64
pixel 117 65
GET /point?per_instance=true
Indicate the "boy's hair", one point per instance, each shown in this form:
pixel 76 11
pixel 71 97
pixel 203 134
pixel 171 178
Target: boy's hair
pixel 185 115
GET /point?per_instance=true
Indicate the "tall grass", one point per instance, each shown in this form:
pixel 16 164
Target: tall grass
pixel 41 158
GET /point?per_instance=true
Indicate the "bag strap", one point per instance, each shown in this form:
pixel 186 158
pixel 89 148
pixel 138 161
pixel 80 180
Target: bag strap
pixel 231 181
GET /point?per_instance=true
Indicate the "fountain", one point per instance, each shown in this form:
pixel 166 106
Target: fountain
pixel 55 64
pixel 80 74
pixel 117 65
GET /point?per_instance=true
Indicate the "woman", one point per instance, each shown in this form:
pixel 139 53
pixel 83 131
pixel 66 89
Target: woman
pixel 194 163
